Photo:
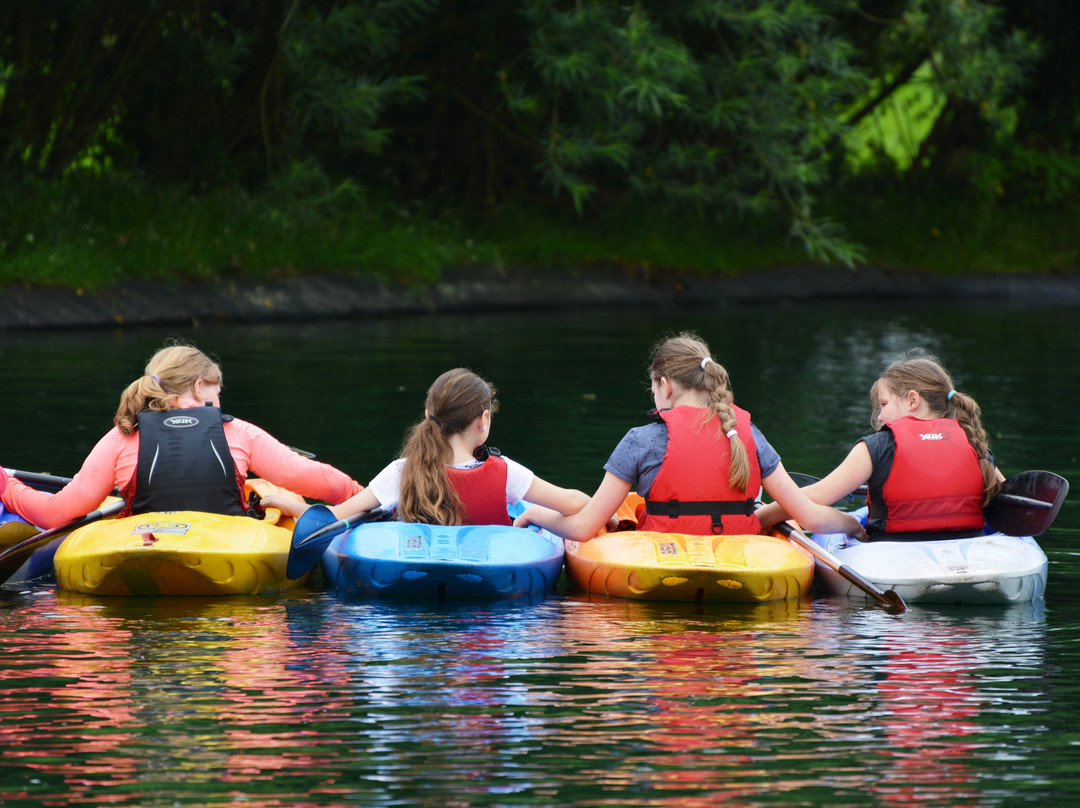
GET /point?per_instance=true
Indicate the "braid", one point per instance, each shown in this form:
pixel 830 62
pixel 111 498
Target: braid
pixel 925 374
pixel 721 400
pixel 685 360
pixel 967 413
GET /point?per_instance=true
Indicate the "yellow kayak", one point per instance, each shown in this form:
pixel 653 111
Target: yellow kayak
pixel 179 553
pixel 675 566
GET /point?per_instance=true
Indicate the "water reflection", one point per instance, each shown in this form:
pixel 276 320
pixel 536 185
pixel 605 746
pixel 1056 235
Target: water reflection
pixel 316 698
pixel 615 702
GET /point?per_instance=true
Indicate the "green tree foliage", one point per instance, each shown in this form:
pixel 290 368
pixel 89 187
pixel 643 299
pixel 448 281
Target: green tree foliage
pixel 977 66
pixel 732 109
pixel 719 108
pixel 715 105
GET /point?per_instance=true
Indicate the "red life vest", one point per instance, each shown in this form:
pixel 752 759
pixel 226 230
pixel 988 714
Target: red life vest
pixel 691 493
pixel 482 490
pixel 935 483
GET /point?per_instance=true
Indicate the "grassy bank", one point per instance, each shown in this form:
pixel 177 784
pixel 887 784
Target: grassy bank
pixel 92 235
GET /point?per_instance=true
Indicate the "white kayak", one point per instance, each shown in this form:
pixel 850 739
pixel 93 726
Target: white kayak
pixel 989 569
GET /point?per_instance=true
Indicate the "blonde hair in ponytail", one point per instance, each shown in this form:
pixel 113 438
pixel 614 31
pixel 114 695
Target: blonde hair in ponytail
pixel 171 371
pixel 925 375
pixel 685 360
pixel 456 399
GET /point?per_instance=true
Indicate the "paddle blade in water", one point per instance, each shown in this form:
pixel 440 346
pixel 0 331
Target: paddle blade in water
pixel 1028 503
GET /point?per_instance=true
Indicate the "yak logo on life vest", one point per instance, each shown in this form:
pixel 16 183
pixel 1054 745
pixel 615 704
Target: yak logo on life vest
pixel 180 421
pixel 933 436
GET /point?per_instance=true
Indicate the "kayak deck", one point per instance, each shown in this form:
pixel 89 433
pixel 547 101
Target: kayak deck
pixel 179 553
pixel 176 553
pixel 993 569
pixel 989 569
pixel 402 558
pixel 674 566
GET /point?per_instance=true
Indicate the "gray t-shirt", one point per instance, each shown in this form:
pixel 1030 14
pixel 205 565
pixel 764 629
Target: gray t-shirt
pixel 637 458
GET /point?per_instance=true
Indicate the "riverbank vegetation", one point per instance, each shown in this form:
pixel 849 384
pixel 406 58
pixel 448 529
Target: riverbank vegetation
pixel 404 138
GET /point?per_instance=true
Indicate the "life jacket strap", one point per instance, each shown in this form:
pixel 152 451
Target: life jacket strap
pixel 674 508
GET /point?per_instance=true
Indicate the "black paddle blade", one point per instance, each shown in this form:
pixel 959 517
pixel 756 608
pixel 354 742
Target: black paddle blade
pixel 308 542
pixel 1027 504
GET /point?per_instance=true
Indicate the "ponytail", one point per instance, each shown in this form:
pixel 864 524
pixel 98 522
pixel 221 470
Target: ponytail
pixel 454 401
pixel 145 393
pixel 171 371
pixel 427 494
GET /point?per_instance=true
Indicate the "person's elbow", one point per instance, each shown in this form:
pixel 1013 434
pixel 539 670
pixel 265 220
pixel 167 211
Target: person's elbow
pixel 577 501
pixel 575 529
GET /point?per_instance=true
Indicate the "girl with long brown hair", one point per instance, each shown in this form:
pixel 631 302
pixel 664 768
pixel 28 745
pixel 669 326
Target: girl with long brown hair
pixel 446 474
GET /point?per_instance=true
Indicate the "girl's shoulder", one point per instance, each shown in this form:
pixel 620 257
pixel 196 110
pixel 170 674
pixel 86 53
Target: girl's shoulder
pixel 649 430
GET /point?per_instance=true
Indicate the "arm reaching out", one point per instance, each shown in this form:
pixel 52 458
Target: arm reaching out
pixel 585 523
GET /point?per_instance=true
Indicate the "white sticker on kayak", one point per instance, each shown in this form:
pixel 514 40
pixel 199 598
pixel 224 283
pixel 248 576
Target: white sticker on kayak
pixel 179 528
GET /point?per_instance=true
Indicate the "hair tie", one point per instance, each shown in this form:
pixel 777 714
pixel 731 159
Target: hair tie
pixel 432 418
pixel 951 394
pixel 156 378
pixel 705 361
pixel 731 433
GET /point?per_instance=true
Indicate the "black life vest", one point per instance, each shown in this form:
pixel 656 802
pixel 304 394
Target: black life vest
pixel 185 464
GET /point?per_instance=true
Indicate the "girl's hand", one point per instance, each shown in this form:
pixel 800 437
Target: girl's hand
pixel 527 516
pixel 287 505
pixel 859 532
pixel 525 520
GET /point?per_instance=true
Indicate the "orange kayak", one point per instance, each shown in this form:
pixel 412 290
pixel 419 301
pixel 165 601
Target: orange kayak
pixel 674 566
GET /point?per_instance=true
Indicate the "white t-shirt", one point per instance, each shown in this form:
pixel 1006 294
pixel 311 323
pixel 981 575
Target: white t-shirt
pixel 387 483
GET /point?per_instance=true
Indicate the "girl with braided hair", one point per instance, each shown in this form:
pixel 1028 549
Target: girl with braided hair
pixel 928 468
pixel 700 466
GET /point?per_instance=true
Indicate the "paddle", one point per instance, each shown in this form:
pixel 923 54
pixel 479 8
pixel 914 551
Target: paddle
pixel 314 531
pixel 105 510
pixel 888 597
pixel 38 480
pixel 1027 504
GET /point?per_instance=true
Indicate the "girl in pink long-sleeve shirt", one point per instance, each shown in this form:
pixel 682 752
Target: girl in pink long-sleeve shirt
pixel 176 377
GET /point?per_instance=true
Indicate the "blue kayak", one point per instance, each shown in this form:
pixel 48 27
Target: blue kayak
pixel 20 566
pixel 403 558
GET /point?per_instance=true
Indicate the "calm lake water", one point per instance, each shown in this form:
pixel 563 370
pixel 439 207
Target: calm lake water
pixel 315 698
